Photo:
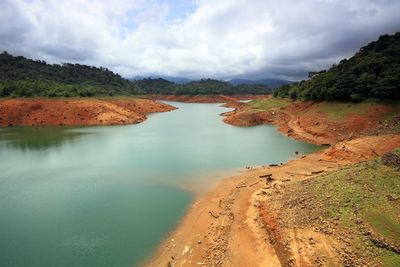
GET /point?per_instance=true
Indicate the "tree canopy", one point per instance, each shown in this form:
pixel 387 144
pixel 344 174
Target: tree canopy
pixel 24 77
pixel 372 73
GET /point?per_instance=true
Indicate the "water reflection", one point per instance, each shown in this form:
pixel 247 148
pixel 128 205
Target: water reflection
pixel 37 138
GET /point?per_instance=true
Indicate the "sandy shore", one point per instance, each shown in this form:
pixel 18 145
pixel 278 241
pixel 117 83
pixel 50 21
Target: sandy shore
pixel 223 227
pixel 232 226
pixel 75 111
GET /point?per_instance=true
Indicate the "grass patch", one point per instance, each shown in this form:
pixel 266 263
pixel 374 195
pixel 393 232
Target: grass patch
pixel 267 104
pixel 390 259
pixel 339 111
pixel 384 224
pixel 362 192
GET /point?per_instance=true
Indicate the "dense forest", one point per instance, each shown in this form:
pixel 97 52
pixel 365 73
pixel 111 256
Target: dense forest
pixel 22 77
pixel 201 87
pixel 372 73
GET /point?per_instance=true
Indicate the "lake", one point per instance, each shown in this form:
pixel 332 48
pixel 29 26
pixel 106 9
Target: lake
pixel 107 196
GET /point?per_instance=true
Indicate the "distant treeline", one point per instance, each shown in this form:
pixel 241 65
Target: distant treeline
pixel 22 77
pixel 201 87
pixel 372 73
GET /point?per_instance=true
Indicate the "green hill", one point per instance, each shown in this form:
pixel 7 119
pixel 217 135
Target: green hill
pixel 372 73
pixel 200 87
pixel 20 76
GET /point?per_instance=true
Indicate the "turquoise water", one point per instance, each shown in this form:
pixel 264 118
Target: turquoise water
pixel 106 196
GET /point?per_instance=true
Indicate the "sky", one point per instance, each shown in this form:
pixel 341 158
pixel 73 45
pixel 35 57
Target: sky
pixel 221 39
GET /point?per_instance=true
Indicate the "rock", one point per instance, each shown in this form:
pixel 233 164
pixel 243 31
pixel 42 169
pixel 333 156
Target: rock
pixel 268 177
pixel 392 197
pixel 391 159
pixel 216 216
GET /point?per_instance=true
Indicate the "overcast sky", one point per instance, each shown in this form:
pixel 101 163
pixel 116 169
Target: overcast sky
pixel 202 38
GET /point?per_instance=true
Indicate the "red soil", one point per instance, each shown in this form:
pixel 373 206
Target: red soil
pixel 306 121
pixel 88 111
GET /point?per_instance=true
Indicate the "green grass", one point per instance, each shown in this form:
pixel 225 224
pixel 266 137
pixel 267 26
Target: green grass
pixel 361 192
pixel 267 104
pixel 338 111
pixel 384 224
pixel 390 259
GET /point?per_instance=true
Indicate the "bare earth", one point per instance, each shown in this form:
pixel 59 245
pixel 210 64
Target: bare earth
pixel 85 111
pixel 243 222
pixel 247 220
pixel 239 232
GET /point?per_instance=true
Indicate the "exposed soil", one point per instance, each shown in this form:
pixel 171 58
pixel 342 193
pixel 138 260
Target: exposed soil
pixel 264 216
pixel 205 98
pixel 306 121
pixel 247 221
pixel 88 111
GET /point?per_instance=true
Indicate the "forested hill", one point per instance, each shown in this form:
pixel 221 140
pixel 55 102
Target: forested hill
pixel 24 77
pixel 372 73
pixel 20 76
pixel 201 87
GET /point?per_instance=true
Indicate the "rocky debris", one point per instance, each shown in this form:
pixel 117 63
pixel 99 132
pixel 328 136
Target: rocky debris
pixel 391 159
pixel 317 172
pixel 268 177
pixel 393 197
pixel 213 214
pixel 382 243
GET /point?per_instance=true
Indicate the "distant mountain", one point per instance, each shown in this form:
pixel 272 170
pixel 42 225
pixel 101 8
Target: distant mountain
pixel 199 87
pixel 174 79
pixel 272 83
pixel 372 73
pixel 178 80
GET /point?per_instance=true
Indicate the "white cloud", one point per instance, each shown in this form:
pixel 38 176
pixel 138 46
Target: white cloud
pixel 220 39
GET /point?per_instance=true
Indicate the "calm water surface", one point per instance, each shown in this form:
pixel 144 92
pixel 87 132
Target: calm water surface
pixel 106 196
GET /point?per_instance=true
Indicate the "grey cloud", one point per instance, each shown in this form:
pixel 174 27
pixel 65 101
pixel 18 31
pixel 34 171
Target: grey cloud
pixel 221 39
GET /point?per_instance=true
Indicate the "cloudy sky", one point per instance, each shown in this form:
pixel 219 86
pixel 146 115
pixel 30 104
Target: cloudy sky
pixel 202 38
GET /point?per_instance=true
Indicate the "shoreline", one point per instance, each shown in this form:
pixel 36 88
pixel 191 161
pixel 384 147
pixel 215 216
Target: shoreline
pixel 223 227
pixel 230 226
pixel 229 223
pixel 77 111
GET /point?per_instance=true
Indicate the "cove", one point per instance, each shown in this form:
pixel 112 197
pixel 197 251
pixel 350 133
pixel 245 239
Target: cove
pixel 107 196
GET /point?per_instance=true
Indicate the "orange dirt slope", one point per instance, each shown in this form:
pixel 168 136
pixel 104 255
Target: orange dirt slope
pixel 85 111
